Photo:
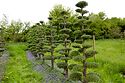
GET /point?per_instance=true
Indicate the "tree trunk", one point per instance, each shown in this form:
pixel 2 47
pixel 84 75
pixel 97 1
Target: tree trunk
pixel 84 72
pixel 66 61
pixel 52 50
pixel 43 58
pixel 84 67
pixel 52 59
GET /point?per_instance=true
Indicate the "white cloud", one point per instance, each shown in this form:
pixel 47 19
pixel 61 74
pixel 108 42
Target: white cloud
pixel 36 10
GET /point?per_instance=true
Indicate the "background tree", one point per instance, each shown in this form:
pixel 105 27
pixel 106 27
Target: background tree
pixel 104 27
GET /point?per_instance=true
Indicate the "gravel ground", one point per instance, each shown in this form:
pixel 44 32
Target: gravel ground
pixel 50 76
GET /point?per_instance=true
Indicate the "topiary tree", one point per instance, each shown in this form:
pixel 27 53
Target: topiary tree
pixel 51 41
pixel 64 39
pixel 82 54
pixel 55 13
pixel 37 40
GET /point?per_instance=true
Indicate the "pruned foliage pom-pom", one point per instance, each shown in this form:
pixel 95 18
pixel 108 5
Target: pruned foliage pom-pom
pixel 87 46
pixel 63 36
pixel 65 30
pixel 70 67
pixel 81 11
pixel 76 32
pixel 62 65
pixel 78 41
pixel 82 4
pixel 77 68
pixel 90 54
pixel 74 53
pixel 93 77
pixel 86 36
pixel 76 46
pixel 76 76
pixel 78 58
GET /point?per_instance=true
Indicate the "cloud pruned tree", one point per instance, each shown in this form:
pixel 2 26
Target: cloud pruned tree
pixel 81 54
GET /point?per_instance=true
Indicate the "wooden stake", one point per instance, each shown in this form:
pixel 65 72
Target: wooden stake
pixel 94 45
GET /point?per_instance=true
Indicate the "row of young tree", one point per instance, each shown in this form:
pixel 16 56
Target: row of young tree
pixel 69 32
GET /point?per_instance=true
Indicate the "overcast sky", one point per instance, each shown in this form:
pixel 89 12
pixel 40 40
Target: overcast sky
pixel 36 10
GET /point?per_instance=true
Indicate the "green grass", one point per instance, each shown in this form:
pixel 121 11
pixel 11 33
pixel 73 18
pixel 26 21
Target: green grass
pixel 19 69
pixel 111 57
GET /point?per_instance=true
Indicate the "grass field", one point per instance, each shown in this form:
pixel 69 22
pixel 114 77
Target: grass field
pixel 110 57
pixel 19 69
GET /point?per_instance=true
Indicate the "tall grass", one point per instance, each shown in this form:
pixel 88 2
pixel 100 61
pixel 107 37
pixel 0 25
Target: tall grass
pixel 19 69
pixel 111 57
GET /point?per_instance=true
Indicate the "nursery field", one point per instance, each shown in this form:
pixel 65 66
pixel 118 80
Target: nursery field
pixel 110 57
pixel 72 46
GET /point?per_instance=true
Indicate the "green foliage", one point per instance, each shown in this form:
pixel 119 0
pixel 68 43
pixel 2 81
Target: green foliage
pixel 15 31
pixel 78 41
pixel 84 37
pixel 81 4
pixel 103 27
pixel 65 30
pixel 82 23
pixel 76 46
pixel 92 65
pixel 93 77
pixel 89 54
pixel 71 66
pixel 36 39
pixel 78 68
pixel 65 58
pixel 62 65
pixel 78 58
pixel 74 53
pixel 76 76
